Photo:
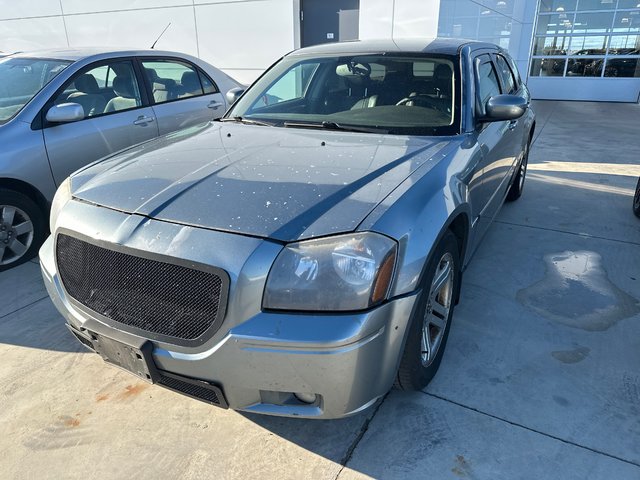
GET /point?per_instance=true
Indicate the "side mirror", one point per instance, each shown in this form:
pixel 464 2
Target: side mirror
pixel 65 112
pixel 234 94
pixel 505 107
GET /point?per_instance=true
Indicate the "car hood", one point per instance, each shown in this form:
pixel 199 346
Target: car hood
pixel 280 183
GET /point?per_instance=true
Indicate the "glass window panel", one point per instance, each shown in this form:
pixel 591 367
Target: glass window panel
pixel 550 45
pixel 547 67
pixel 584 67
pixel 622 67
pixel 557 5
pixel 488 86
pixel 596 4
pixel 494 26
pixel 628 4
pixel 555 24
pixel 626 22
pixel 505 74
pixel 207 84
pixel 171 80
pixel 624 41
pixel 588 45
pixel 593 22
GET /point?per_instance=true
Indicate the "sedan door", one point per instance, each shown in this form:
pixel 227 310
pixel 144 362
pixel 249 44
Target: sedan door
pixel 182 94
pixel 495 140
pixel 115 117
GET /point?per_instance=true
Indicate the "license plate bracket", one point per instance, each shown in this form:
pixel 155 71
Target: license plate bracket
pixel 136 359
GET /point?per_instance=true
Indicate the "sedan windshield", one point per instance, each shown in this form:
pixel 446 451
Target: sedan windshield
pixel 397 94
pixel 21 79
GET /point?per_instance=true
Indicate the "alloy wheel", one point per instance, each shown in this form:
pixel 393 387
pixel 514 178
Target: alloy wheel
pixel 437 311
pixel 16 234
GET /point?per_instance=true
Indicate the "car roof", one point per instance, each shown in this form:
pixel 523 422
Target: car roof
pixel 441 45
pixel 75 54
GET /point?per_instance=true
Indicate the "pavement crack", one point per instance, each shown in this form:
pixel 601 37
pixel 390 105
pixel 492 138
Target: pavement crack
pixel 363 429
pixel 533 430
pixel 23 307
pixel 583 235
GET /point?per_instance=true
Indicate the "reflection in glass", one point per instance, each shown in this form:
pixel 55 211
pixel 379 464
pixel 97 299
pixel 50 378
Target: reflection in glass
pixel 588 45
pixel 555 24
pixel 547 67
pixel 585 67
pixel 593 22
pixel 622 67
pixel 627 22
pixel 628 4
pixel 596 4
pixel 550 46
pixel 618 42
pixel 557 5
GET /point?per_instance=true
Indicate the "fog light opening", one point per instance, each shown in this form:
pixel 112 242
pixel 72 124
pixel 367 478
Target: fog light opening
pixel 306 397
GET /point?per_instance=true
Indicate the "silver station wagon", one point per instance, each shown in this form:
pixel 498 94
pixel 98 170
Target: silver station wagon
pixel 303 254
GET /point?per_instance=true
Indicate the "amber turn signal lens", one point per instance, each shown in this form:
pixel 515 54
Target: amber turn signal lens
pixel 383 280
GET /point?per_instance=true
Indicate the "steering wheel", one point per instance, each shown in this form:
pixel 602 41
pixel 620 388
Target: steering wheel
pixel 417 101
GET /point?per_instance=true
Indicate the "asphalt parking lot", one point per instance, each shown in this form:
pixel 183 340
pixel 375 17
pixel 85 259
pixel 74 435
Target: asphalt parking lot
pixel 541 378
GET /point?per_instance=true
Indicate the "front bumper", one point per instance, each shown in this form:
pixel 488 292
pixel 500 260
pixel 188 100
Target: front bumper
pixel 260 360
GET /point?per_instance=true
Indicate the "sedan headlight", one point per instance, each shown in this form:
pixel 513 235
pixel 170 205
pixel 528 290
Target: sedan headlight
pixel 60 199
pixel 346 272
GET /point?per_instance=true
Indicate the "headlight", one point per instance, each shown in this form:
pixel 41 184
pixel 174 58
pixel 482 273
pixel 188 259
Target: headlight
pixel 346 272
pixel 60 199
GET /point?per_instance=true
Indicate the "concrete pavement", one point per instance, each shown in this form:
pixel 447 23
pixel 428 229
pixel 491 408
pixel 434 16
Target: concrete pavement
pixel 541 378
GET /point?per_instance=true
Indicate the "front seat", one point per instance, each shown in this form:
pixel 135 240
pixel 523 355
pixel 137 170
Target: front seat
pixel 88 95
pixel 125 97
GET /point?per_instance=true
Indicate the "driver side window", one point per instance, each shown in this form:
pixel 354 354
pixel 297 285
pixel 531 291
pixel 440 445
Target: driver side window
pixel 104 89
pixel 488 85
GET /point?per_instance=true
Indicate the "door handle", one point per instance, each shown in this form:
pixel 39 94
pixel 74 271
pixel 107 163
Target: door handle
pixel 214 104
pixel 142 120
pixel 513 124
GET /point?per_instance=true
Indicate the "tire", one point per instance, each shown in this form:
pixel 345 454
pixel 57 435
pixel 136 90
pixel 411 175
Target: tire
pixel 515 191
pixel 22 228
pixel 417 365
pixel 636 200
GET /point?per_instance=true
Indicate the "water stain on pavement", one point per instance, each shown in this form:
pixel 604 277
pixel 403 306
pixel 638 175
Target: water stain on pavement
pixel 577 292
pixel 571 356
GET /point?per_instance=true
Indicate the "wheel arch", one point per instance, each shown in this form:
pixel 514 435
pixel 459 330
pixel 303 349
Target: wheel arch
pixel 28 190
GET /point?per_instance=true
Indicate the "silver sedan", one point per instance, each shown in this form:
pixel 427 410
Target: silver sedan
pixel 63 109
pixel 305 253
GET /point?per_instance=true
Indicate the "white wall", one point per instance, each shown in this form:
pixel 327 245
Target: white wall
pixel 242 37
pixel 398 18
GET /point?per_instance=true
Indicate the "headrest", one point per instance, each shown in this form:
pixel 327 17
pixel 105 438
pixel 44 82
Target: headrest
pixel 86 83
pixel 152 74
pixel 190 81
pixel 123 86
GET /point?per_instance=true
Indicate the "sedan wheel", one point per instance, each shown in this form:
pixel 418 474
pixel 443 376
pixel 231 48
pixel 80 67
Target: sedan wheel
pixel 431 317
pixel 515 191
pixel 21 229
pixel 636 200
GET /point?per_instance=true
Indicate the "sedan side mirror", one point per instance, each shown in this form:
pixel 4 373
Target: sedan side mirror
pixel 234 94
pixel 65 112
pixel 505 107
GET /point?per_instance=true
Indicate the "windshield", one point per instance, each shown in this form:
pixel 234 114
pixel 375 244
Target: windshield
pixel 21 79
pixel 397 94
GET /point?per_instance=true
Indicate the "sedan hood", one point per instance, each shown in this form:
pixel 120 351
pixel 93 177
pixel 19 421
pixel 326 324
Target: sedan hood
pixel 280 183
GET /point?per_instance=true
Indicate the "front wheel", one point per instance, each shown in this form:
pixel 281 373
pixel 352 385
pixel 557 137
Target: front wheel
pixel 431 318
pixel 636 200
pixel 22 228
pixel 515 191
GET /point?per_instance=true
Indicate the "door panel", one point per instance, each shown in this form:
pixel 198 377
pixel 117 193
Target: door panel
pixel 187 112
pixel 73 145
pixel 112 99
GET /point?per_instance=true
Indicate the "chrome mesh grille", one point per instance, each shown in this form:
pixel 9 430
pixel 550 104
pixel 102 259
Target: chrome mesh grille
pixel 165 299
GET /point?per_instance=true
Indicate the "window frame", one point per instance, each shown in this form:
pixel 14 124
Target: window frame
pixel 149 88
pixel 478 61
pixel 41 122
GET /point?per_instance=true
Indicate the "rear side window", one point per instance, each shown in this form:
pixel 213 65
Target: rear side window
pixel 174 80
pixel 506 75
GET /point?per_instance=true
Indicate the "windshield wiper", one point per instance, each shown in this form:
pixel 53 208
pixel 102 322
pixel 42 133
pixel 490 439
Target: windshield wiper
pixel 336 126
pixel 248 121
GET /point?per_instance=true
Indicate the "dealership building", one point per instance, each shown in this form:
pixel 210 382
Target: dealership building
pixel 567 49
